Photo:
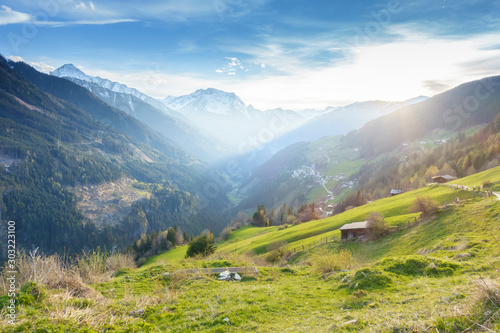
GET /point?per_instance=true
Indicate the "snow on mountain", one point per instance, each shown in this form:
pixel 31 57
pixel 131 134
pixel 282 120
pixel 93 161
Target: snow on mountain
pixel 71 72
pixel 208 101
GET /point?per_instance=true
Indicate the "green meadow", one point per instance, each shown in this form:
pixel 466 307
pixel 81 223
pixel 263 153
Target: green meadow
pixel 439 275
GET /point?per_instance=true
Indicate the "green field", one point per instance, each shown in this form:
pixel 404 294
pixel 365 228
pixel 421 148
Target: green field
pixel 478 179
pixel 314 231
pixel 440 275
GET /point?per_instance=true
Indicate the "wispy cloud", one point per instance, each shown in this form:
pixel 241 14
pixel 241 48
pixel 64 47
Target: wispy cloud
pixel 81 5
pixel 82 22
pixel 9 16
pixel 40 66
pixel 232 67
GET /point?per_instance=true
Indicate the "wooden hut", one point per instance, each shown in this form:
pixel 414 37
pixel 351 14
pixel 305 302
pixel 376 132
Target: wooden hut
pixel 443 179
pixel 353 230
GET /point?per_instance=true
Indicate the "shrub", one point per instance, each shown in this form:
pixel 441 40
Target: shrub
pixel 141 261
pixel 201 245
pixel 90 266
pixel 324 262
pixel 226 232
pixel 119 261
pixel 487 183
pixel 277 251
pixel 426 205
pixel 376 227
pixel 38 268
pixel 31 292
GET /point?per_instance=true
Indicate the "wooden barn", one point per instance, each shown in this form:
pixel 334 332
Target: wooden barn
pixel 443 179
pixel 353 230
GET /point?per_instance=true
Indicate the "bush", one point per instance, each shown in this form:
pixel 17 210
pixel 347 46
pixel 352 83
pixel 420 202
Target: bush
pixel 37 268
pixel 119 261
pixel 376 227
pixel 324 262
pixel 226 232
pixel 283 226
pixel 426 205
pixel 276 251
pixel 31 293
pixel 90 266
pixel 235 225
pixel 201 245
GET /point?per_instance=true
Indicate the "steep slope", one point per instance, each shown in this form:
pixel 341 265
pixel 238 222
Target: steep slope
pixel 396 151
pixel 439 274
pixel 71 72
pixel 238 128
pixel 467 105
pixel 101 111
pixel 148 110
pixel 341 120
pixel 301 172
pixel 50 148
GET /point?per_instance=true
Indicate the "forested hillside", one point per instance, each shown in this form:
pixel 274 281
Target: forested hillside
pixel 48 144
pixel 401 151
pixel 470 104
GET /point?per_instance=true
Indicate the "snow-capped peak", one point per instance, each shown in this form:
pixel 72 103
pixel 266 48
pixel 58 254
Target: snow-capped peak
pixel 207 101
pixel 69 70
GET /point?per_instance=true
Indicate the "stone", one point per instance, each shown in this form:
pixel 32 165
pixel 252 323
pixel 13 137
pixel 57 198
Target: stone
pixel 137 313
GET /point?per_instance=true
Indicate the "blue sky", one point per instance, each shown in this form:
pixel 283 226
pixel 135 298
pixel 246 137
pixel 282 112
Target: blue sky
pixel 292 54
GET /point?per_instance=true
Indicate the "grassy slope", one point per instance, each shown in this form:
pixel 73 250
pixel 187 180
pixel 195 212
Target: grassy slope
pixel 295 298
pixel 492 175
pixel 395 209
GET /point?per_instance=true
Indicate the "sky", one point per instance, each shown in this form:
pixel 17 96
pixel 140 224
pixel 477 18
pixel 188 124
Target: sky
pixel 293 54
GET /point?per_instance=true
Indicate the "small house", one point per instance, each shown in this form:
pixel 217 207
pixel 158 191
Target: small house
pixel 353 230
pixel 396 192
pixel 443 179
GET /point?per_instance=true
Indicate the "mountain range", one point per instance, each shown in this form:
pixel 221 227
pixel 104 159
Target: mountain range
pixel 188 155
pixel 220 122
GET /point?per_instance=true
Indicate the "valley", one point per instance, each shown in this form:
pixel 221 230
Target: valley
pixel 176 167
pixel 439 274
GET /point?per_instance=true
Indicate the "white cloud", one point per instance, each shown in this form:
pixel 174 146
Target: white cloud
pixel 263 65
pixel 9 16
pixel 40 66
pixel 57 24
pixel 92 6
pixel 398 70
pixel 81 5
pixel 232 66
